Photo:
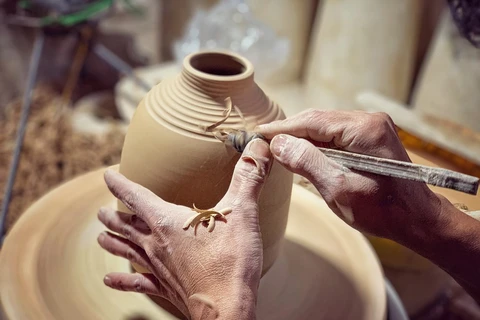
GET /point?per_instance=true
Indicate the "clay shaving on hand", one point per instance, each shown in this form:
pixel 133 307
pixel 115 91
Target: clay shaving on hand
pixel 204 216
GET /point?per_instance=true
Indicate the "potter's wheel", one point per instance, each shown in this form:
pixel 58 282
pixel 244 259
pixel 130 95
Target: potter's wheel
pixel 51 266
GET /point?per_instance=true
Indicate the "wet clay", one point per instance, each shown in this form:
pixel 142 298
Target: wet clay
pixel 169 150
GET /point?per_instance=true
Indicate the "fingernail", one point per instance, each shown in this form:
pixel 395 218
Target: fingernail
pixel 279 144
pixel 107 281
pixel 111 174
pixel 102 211
pixel 257 147
pixel 101 237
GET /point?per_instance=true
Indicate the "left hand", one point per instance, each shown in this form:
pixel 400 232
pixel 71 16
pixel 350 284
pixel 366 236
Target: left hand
pixel 208 273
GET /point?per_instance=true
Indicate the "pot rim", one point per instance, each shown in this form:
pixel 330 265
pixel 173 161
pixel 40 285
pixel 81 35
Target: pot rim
pixel 246 71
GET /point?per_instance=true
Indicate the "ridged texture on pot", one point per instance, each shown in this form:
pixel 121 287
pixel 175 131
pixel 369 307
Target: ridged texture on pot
pixel 168 152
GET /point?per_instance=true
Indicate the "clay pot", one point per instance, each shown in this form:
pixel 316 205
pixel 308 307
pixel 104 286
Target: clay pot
pixel 168 151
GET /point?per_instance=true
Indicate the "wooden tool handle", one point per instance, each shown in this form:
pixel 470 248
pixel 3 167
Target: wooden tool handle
pixel 405 170
pixel 392 168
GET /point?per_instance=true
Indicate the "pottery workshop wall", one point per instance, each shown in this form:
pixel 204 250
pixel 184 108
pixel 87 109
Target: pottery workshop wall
pixel 289 19
pixel 358 45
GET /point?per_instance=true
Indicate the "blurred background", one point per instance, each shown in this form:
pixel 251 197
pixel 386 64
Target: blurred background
pixel 82 66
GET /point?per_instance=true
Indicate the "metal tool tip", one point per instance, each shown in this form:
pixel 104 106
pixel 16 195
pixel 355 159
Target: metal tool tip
pixel 240 138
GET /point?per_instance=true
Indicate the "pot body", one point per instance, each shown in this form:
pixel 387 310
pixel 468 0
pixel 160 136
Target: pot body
pixel 167 151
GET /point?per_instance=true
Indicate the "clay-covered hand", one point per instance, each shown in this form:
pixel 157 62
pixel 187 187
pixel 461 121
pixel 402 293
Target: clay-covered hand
pixel 204 274
pixel 375 204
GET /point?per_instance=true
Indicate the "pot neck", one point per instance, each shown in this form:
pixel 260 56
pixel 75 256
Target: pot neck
pixel 195 99
pixel 217 74
pixel 217 86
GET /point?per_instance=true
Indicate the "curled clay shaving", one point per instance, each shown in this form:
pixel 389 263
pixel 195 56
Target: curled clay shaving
pixel 238 139
pixel 211 224
pixel 226 114
pixel 240 114
pixel 205 215
pixel 460 206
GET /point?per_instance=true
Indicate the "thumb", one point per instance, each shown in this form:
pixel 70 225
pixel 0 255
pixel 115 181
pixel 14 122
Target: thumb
pixel 250 172
pixel 302 157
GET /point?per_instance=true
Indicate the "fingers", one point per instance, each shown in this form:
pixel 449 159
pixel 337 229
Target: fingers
pixel 303 158
pixel 356 131
pixel 135 282
pixel 128 225
pixel 136 198
pixel 318 125
pixel 121 247
pixel 251 172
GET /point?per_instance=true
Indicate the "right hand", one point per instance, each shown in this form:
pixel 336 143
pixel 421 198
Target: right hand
pixel 382 206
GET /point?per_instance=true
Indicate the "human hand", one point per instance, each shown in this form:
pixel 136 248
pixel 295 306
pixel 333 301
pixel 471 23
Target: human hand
pixel 382 206
pixel 204 274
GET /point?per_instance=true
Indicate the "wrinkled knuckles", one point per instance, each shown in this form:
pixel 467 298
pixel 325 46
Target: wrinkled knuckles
pixel 382 121
pixel 132 220
pixel 385 117
pixel 251 173
pixel 159 225
pixel 131 255
pixel 131 198
pixel 300 158
pixel 314 117
pixel 118 284
pixel 126 231
pixel 379 129
pixel 311 112
pixel 139 285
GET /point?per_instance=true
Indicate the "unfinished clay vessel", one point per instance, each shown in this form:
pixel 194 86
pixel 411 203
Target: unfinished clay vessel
pixel 168 150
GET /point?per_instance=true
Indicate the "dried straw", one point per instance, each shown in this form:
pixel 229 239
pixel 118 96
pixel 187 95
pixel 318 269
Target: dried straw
pixel 52 152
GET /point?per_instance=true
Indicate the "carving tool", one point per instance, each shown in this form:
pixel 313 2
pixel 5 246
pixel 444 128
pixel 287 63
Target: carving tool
pixel 386 167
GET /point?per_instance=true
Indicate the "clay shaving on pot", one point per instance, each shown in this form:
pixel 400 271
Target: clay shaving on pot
pixel 461 206
pixel 238 139
pixel 208 215
pixel 226 114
